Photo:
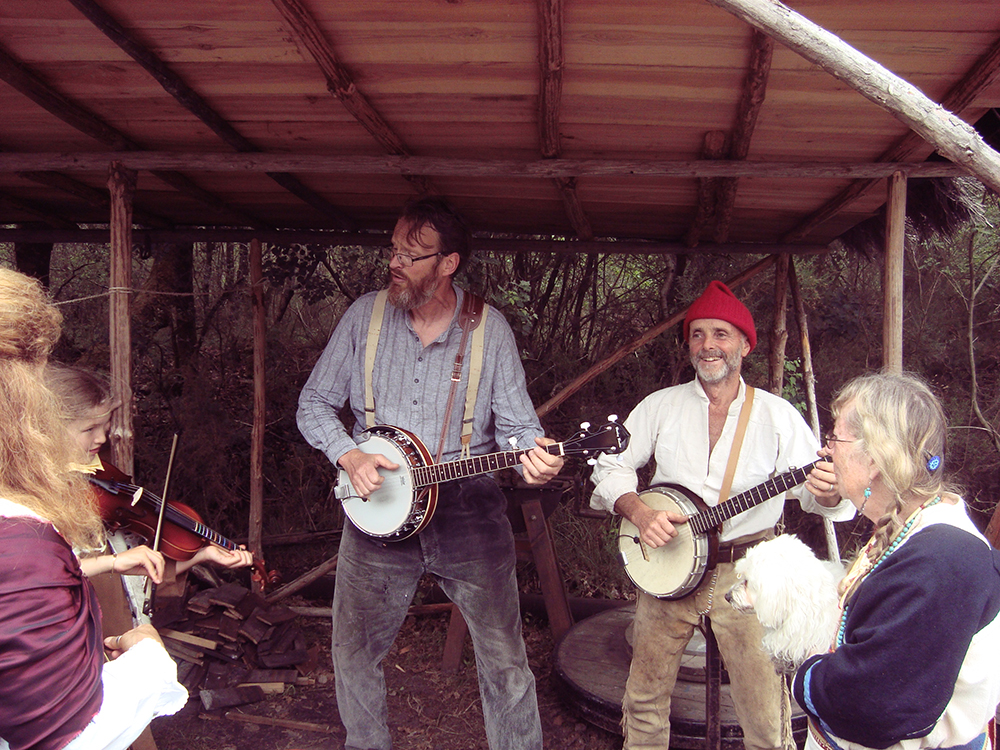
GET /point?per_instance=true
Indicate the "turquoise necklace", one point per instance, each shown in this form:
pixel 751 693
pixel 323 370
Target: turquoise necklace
pixel 893 546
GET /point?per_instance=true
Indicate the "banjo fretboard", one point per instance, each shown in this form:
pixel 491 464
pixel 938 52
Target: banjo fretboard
pixel 712 517
pixel 470 467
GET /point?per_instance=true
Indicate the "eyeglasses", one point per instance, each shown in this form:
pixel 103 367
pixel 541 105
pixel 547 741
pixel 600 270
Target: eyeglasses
pixel 405 260
pixel 831 438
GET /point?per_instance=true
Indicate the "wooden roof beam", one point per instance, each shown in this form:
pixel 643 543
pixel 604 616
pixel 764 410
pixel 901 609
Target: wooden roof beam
pixel 550 62
pixel 951 136
pixel 751 101
pixel 341 84
pixel 31 85
pixel 188 98
pixel 450 167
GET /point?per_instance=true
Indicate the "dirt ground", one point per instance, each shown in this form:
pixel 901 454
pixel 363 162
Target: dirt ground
pixel 428 710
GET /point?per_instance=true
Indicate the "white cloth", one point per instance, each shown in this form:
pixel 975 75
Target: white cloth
pixel 139 685
pixel 671 426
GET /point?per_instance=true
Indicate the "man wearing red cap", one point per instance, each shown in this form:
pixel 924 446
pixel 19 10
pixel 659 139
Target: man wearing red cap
pixel 689 431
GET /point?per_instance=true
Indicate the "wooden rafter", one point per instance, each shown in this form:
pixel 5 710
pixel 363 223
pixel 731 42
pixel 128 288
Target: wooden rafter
pixel 982 74
pixel 713 148
pixel 341 84
pixel 550 64
pixel 316 163
pixel 91 195
pixel 188 98
pixel 41 213
pixel 31 85
pixel 751 101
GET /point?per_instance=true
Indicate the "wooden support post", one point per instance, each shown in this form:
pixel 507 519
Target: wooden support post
pixel 713 690
pixel 809 380
pixel 121 185
pixel 892 277
pixel 779 328
pixel 259 409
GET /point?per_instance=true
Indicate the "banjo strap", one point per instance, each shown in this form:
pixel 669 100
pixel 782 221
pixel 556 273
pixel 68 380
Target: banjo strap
pixel 734 452
pixel 727 480
pixel 470 318
pixel 472 314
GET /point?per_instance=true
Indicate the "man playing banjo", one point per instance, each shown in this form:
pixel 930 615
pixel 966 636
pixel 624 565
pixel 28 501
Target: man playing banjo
pixel 691 431
pixel 467 543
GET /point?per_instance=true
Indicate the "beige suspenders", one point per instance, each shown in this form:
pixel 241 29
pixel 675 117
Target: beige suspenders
pixel 371 346
pixel 471 317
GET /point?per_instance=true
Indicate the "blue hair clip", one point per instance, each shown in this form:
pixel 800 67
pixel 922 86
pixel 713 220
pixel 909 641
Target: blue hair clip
pixel 933 463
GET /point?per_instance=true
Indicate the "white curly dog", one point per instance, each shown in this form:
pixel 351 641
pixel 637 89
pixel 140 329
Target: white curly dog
pixel 794 595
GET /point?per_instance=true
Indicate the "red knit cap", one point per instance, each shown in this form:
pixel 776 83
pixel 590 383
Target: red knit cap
pixel 717 301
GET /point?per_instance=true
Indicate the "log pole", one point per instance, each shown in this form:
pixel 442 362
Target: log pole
pixel 950 135
pixel 779 326
pixel 121 185
pixel 259 407
pixel 892 278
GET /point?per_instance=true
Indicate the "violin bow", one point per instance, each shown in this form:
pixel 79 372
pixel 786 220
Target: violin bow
pixel 147 607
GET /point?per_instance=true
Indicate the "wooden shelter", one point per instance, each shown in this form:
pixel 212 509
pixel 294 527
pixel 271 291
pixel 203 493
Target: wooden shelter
pixel 689 126
pixel 648 126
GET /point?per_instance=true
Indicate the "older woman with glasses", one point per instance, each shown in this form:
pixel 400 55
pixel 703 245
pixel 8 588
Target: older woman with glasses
pixel 916 660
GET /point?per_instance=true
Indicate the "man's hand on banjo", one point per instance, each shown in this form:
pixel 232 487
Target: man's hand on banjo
pixel 656 527
pixel 539 465
pixel 362 469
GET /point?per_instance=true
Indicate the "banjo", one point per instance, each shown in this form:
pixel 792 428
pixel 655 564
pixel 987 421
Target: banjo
pixel 674 570
pixel 405 502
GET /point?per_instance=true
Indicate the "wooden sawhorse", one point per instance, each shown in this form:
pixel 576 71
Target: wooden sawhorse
pixel 528 509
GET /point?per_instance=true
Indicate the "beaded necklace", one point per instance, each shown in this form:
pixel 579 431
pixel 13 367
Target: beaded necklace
pixel 862 568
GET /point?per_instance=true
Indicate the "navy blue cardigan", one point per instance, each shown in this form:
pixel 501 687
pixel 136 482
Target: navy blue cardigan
pixel 908 631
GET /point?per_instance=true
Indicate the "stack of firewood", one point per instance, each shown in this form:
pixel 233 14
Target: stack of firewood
pixel 232 647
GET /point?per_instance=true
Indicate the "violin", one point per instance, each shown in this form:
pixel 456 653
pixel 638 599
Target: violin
pixel 125 505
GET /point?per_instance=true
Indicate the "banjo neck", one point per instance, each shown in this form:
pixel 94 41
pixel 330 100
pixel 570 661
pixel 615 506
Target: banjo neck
pixel 714 516
pixel 429 474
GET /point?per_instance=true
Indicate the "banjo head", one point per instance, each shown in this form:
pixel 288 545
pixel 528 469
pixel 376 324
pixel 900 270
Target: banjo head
pixel 674 570
pixel 390 508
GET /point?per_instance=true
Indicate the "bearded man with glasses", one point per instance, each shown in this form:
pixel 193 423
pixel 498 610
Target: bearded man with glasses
pixel 467 544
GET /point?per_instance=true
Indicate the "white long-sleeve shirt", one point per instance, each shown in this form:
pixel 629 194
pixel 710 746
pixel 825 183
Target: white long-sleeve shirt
pixel 671 426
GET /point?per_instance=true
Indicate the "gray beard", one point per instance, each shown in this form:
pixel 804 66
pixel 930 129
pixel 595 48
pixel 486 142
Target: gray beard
pixel 408 297
pixel 731 363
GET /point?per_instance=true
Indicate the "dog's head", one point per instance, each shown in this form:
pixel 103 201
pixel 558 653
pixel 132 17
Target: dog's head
pixel 773 578
pixel 794 596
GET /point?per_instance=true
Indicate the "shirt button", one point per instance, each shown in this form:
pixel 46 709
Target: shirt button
pixel 414 403
pixel 416 380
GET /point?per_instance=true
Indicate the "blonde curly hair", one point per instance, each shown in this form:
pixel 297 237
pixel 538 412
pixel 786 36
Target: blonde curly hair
pixel 34 452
